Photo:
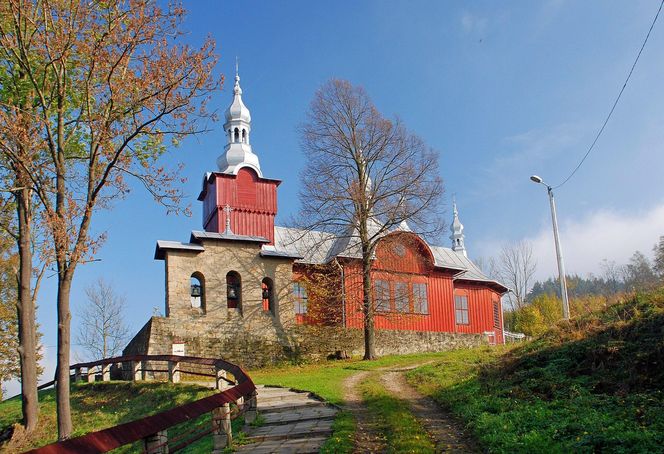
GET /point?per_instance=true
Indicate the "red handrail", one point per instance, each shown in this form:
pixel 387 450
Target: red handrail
pixel 114 437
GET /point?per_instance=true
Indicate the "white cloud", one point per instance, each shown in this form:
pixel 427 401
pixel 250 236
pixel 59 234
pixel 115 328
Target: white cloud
pixel 472 23
pixel 603 234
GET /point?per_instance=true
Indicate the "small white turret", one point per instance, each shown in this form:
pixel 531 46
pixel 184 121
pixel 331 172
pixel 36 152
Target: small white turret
pixel 457 233
pixel 238 152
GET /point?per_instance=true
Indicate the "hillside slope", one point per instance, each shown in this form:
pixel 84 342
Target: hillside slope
pixel 593 384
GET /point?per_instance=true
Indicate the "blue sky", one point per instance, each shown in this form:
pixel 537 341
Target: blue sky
pixel 501 89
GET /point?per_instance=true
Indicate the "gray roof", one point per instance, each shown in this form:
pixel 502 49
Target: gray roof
pixel 315 247
pixel 197 236
pixel 162 245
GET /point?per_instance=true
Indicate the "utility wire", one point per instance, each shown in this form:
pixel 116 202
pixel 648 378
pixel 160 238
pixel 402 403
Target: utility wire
pixel 601 130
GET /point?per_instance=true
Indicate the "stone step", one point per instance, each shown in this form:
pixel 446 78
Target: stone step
pixel 284 405
pixel 283 397
pixel 305 414
pixel 300 446
pixel 304 429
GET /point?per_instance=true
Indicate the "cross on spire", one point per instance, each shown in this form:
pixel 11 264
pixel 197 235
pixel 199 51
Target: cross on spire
pixel 228 210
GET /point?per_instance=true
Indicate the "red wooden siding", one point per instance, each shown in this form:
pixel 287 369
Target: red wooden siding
pixel 413 266
pixel 480 309
pixel 253 199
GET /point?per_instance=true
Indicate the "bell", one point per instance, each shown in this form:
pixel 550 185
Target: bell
pixel 266 294
pixel 196 290
pixel 232 292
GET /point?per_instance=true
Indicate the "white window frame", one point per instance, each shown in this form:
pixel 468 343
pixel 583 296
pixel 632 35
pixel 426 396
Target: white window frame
pixel 461 310
pixel 382 295
pixel 420 298
pixel 401 299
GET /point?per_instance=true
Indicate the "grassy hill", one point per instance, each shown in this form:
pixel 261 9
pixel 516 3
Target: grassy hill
pixel 594 384
pixel 96 406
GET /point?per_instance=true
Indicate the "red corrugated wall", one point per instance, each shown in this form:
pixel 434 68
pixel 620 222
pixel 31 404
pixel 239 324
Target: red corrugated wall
pixel 441 286
pixel 253 199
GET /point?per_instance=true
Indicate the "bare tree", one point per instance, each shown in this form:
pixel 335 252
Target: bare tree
pixel 613 274
pixel 516 267
pixel 364 175
pixel 103 331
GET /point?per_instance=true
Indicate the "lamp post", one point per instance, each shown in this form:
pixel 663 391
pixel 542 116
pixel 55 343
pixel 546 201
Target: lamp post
pixel 559 253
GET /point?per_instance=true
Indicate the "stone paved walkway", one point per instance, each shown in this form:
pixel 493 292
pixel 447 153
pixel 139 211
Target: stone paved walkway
pixel 294 422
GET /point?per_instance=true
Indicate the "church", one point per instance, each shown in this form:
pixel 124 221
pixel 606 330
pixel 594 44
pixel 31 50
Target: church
pixel 247 290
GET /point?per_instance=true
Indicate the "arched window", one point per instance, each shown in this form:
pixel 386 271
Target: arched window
pixel 267 293
pixel 230 135
pixel 233 290
pixel 237 135
pixel 244 136
pixel 197 291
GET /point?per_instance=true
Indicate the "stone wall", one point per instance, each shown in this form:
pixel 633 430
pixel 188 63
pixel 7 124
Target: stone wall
pixel 301 342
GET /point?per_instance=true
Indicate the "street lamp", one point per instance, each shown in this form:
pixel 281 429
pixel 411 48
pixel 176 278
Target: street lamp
pixel 559 253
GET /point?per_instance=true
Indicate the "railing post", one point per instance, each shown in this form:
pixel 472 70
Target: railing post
pixel 91 374
pixel 157 443
pixel 106 372
pixel 251 404
pixel 220 382
pixel 136 374
pixel 222 433
pixel 77 374
pixel 174 371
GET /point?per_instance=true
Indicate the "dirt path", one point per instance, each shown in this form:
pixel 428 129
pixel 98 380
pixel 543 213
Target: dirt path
pixel 446 432
pixel 367 437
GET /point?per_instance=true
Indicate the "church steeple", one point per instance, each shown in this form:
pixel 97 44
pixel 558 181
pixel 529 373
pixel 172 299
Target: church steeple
pixel 238 152
pixel 457 233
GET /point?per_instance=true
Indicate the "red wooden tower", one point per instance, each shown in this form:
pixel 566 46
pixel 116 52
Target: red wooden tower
pixel 239 186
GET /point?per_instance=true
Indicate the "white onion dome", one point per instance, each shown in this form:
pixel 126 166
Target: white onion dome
pixel 237 110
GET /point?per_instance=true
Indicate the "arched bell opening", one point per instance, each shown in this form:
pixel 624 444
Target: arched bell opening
pixel 267 293
pixel 197 291
pixel 233 290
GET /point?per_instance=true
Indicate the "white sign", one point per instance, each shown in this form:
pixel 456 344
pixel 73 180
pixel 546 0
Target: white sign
pixel 178 349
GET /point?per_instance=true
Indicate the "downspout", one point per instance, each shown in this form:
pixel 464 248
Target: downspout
pixel 343 293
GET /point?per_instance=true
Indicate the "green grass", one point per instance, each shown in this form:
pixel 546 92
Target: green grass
pixel 326 380
pixel 401 429
pixel 96 406
pixel 591 385
pixel 342 439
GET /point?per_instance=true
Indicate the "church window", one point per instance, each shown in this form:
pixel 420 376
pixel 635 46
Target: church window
pixel 301 298
pixel 197 291
pixel 401 297
pixel 233 290
pixel 236 137
pixel 420 298
pixel 244 136
pixel 382 295
pixel 267 294
pixel 461 309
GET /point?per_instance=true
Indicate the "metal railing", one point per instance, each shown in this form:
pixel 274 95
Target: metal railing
pixel 237 395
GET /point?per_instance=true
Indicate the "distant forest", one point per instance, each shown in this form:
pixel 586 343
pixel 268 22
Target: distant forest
pixel 640 273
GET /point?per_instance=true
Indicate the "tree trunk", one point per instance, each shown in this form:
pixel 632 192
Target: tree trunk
pixel 25 307
pixel 62 371
pixel 369 347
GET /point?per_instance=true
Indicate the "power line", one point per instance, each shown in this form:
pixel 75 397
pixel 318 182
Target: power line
pixel 601 130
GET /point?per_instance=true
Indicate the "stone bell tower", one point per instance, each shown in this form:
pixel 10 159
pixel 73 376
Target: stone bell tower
pixel 237 199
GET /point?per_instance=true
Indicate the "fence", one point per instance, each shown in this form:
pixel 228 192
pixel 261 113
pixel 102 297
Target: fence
pixel 237 395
